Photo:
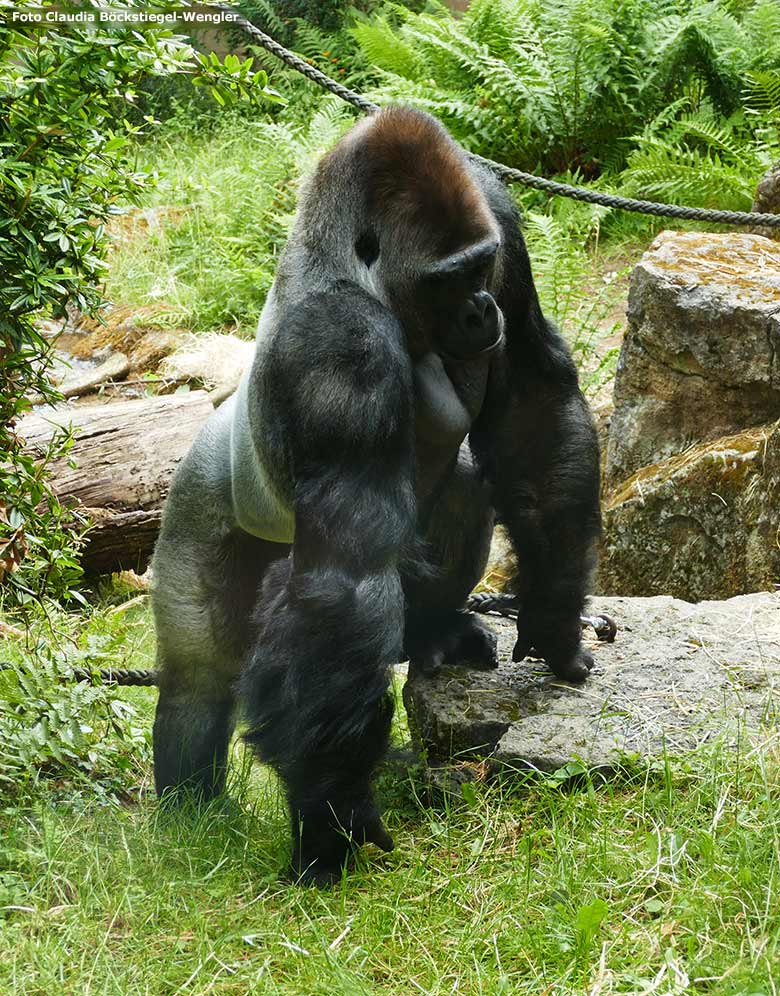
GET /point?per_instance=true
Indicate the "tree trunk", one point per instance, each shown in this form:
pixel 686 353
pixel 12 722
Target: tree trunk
pixel 125 454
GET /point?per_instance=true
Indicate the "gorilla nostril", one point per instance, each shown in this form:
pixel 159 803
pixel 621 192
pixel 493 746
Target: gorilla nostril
pixel 475 310
pixel 482 300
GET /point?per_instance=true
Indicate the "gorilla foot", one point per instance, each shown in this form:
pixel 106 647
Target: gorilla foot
pixel 557 640
pixel 459 638
pixel 576 668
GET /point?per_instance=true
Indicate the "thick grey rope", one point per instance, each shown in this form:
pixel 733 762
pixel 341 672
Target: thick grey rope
pixel 508 173
pixel 297 63
pixel 104 675
pixel 504 604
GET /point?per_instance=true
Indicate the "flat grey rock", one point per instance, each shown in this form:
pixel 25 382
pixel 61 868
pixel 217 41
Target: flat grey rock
pixel 677 676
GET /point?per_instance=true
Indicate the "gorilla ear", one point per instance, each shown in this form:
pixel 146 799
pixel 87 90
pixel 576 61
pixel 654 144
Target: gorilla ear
pixel 465 261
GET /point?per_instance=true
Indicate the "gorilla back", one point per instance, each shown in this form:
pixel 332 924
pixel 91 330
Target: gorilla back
pixel 335 513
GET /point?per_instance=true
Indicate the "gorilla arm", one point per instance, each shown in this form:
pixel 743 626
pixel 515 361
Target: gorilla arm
pixel 536 441
pixel 547 495
pixel 447 399
pixel 316 686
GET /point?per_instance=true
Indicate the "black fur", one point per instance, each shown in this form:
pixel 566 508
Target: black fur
pixel 403 322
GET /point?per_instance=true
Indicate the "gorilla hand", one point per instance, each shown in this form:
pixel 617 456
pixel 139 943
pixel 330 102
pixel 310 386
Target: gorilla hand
pixel 448 397
pixel 558 644
pixel 327 839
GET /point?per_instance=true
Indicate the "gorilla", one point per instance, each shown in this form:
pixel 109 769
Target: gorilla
pixel 333 516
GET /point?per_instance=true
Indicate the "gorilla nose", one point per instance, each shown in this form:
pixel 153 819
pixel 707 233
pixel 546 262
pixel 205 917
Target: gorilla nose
pixel 475 310
pixel 477 327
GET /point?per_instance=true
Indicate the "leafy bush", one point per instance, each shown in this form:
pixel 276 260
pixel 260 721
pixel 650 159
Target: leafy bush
pixel 66 161
pixel 71 735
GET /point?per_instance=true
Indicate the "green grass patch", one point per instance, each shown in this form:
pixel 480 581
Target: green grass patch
pixel 664 883
pixel 204 246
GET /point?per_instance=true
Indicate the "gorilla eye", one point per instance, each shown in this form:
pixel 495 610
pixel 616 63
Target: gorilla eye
pixel 367 247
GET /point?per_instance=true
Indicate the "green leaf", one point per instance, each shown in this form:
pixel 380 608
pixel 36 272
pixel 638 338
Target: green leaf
pixel 589 918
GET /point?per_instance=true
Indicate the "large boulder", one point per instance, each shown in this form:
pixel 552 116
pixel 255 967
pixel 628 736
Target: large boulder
pixel 678 675
pixel 702 524
pixel 768 201
pixel 701 355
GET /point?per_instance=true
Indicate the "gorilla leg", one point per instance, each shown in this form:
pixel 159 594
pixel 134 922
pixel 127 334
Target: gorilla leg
pixel 456 532
pixel 191 737
pixel 204 597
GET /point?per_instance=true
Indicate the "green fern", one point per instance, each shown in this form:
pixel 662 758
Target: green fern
pixel 386 49
pixel 571 84
pixel 762 92
pixel 670 171
pixel 264 13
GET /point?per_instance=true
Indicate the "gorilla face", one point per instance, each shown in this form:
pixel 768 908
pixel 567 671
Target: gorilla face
pixel 459 307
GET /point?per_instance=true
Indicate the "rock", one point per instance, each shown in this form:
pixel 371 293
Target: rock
pixel 116 367
pixel 678 675
pixel 768 201
pixel 702 524
pixel 215 361
pixel 602 417
pixel 701 355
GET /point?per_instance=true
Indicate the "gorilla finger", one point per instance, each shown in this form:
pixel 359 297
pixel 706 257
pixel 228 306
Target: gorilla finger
pixel 375 833
pixel 430 663
pixel 576 669
pixel 521 648
pixel 477 647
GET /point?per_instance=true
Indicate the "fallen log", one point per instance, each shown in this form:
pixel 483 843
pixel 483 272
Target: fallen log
pixel 119 468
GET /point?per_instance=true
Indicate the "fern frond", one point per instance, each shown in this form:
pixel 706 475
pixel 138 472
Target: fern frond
pixel 311 41
pixel 327 126
pixel 710 133
pixel 679 175
pixel 762 91
pixel 264 13
pixel 386 48
pixel 447 50
pixel 497 24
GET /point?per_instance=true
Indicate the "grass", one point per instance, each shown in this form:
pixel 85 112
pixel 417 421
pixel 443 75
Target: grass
pixel 204 246
pixel 663 883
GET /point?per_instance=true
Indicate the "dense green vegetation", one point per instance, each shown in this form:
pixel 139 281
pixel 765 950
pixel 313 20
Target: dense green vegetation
pixel 67 165
pixel 64 163
pixel 671 100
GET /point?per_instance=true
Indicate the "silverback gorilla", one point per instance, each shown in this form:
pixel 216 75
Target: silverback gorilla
pixel 330 520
